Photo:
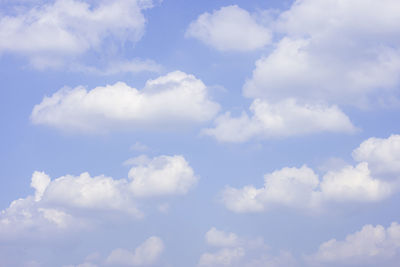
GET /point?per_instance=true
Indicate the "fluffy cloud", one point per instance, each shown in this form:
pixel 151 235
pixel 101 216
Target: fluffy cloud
pixel 235 251
pixel 383 155
pixel 50 34
pixel 371 246
pixel 145 254
pixel 69 202
pixel 354 184
pixel 281 119
pixel 168 100
pixel 164 175
pixel 218 238
pixel 229 29
pixel 301 187
pixel 93 193
pixel 327 53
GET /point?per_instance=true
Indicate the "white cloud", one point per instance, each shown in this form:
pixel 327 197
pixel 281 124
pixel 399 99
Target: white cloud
pixel 40 181
pixel 371 246
pixel 383 155
pixel 26 218
pixel 328 53
pixel 282 119
pixel 164 102
pixel 53 33
pixel 234 251
pixel 93 193
pixel 230 29
pixel 354 184
pixel 301 188
pixel 145 254
pixel 218 238
pixel 71 203
pixel 164 175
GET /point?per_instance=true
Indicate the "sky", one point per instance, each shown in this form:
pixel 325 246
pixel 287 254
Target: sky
pixel 180 133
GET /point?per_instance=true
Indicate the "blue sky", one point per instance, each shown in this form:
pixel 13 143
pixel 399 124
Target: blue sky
pixel 199 133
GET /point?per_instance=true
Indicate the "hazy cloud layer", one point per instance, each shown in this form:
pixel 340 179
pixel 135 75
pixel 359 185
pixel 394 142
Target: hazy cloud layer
pixel 145 254
pixel 231 250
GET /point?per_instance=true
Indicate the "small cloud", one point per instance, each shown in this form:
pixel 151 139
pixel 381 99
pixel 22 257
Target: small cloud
pixel 139 147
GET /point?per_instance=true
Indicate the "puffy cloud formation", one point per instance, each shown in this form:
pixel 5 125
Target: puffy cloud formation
pixel 168 100
pixel 146 254
pixel 328 53
pixel 281 119
pixel 383 155
pixel 229 29
pixel 50 34
pixel 164 175
pixel 371 246
pixel 234 251
pixel 69 202
pixel 301 187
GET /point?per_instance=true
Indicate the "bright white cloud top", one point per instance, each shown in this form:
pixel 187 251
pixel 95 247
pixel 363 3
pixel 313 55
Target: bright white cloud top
pixel 282 119
pixel 301 187
pixel 382 154
pixel 230 28
pixel 54 32
pixel 174 99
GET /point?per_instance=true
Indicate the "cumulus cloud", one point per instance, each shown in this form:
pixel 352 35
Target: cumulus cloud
pixel 93 193
pixel 71 202
pixel 164 175
pixel 383 155
pixel 55 32
pixel 281 119
pixel 354 184
pixel 371 246
pixel 302 188
pixel 168 100
pixel 146 254
pixel 230 28
pixel 327 53
pixel 27 219
pixel 234 251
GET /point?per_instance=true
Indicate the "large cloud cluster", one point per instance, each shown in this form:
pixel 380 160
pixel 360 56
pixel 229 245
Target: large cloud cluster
pixel 302 188
pixel 55 32
pixel 70 203
pixel 323 56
